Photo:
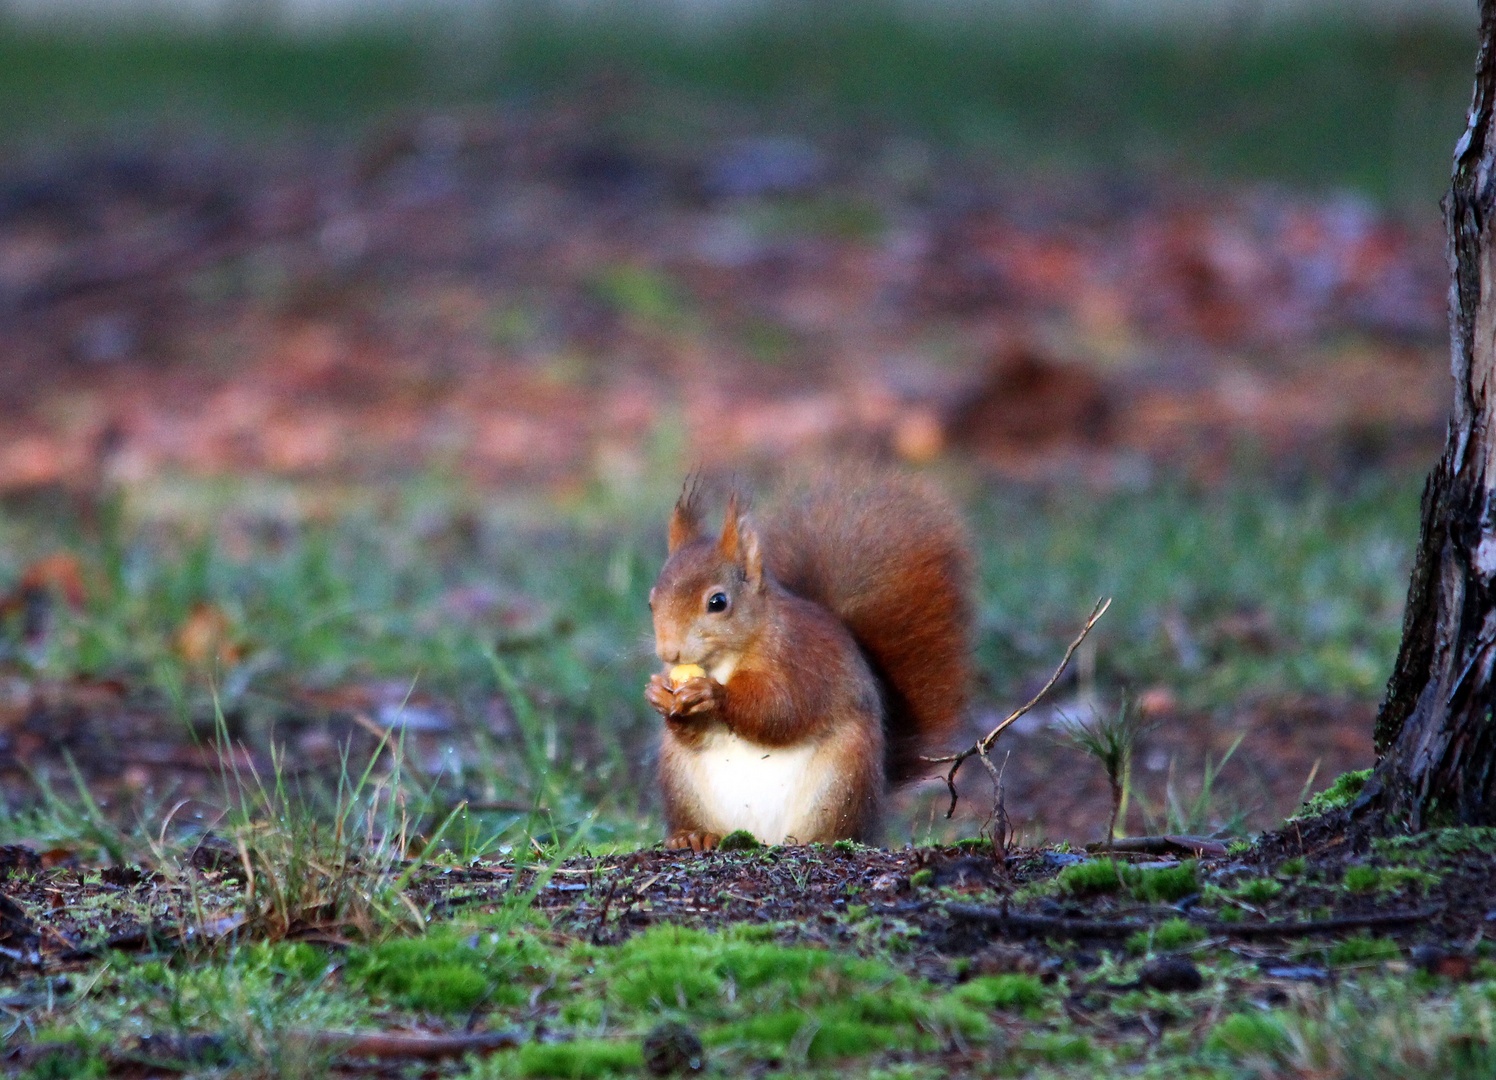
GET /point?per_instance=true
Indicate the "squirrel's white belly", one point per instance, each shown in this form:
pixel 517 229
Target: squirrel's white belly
pixel 776 793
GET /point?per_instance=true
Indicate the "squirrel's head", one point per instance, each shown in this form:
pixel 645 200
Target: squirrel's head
pixel 709 600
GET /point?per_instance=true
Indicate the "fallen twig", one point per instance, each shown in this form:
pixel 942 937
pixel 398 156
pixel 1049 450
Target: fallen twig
pixel 392 1044
pixel 1319 926
pixel 1161 845
pixel 983 746
pixel 1054 926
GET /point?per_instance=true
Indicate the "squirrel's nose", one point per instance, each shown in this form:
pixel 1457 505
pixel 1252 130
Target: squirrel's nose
pixel 668 655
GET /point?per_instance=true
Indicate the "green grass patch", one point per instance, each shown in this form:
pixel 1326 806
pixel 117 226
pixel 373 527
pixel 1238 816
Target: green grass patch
pixel 528 624
pixel 1327 99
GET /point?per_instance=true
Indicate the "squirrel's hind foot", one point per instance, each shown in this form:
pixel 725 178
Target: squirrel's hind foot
pixel 697 840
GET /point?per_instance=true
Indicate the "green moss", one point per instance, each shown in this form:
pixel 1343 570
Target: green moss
pixel 1258 890
pixel 1176 933
pixel 1166 936
pixel 841 1038
pixel 1056 1049
pixel 584 1010
pixel 1362 879
pixel 771 1000
pixel 1337 796
pixel 1248 1034
pixel 1451 842
pixel 580 1059
pixel 921 878
pixel 1002 992
pixel 441 972
pixel 1159 884
pixel 447 988
pixel 773 1030
pixel 1398 877
pixel 752 932
pixel 1291 867
pixel 1035 890
pixel 297 959
pixel 676 966
pixel 1229 914
pixel 1363 949
pixel 1467 840
pixel 640 293
pixel 1091 877
pixel 858 1024
pixel 67 1064
pixel 1238 848
pixel 739 840
pixel 1165 884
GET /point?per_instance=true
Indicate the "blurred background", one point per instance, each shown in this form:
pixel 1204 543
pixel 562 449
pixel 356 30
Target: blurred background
pixel 352 353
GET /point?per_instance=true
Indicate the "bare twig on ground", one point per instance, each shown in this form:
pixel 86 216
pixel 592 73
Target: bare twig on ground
pixel 1004 921
pixel 1002 829
pixel 397 1044
pixel 1162 845
pixel 983 746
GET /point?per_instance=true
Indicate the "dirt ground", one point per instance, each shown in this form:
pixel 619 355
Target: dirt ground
pixel 518 297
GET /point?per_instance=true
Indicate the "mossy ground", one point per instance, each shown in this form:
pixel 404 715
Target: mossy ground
pixel 785 961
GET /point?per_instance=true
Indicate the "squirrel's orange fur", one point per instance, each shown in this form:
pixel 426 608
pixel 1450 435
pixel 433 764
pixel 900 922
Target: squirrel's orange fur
pixel 835 639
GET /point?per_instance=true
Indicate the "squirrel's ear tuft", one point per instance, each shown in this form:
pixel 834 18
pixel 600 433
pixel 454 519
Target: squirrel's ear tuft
pixel 685 519
pixel 732 521
pixel 739 543
pixel 753 560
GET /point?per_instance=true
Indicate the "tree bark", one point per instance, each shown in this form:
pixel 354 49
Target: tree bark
pixel 1436 735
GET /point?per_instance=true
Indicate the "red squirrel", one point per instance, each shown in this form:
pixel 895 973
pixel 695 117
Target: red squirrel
pixel 834 643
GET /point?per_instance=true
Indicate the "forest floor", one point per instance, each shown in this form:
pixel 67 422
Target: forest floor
pixel 1186 961
pixel 333 474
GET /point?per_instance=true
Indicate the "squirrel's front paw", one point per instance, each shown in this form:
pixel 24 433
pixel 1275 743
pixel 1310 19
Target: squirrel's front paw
pixel 698 840
pixel 697 698
pixel 659 695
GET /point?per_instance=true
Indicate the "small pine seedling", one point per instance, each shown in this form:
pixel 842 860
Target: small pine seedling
pixel 1110 739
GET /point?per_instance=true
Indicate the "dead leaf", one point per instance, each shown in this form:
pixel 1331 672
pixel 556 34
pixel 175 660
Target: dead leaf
pixel 208 634
pixel 54 577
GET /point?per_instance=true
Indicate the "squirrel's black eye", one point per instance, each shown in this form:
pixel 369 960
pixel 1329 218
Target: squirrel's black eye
pixel 717 602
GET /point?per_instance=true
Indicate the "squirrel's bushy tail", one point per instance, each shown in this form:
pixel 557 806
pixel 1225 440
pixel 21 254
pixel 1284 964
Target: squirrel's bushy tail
pixel 889 556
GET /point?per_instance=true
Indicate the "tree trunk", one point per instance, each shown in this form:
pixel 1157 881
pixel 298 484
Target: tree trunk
pixel 1436 733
